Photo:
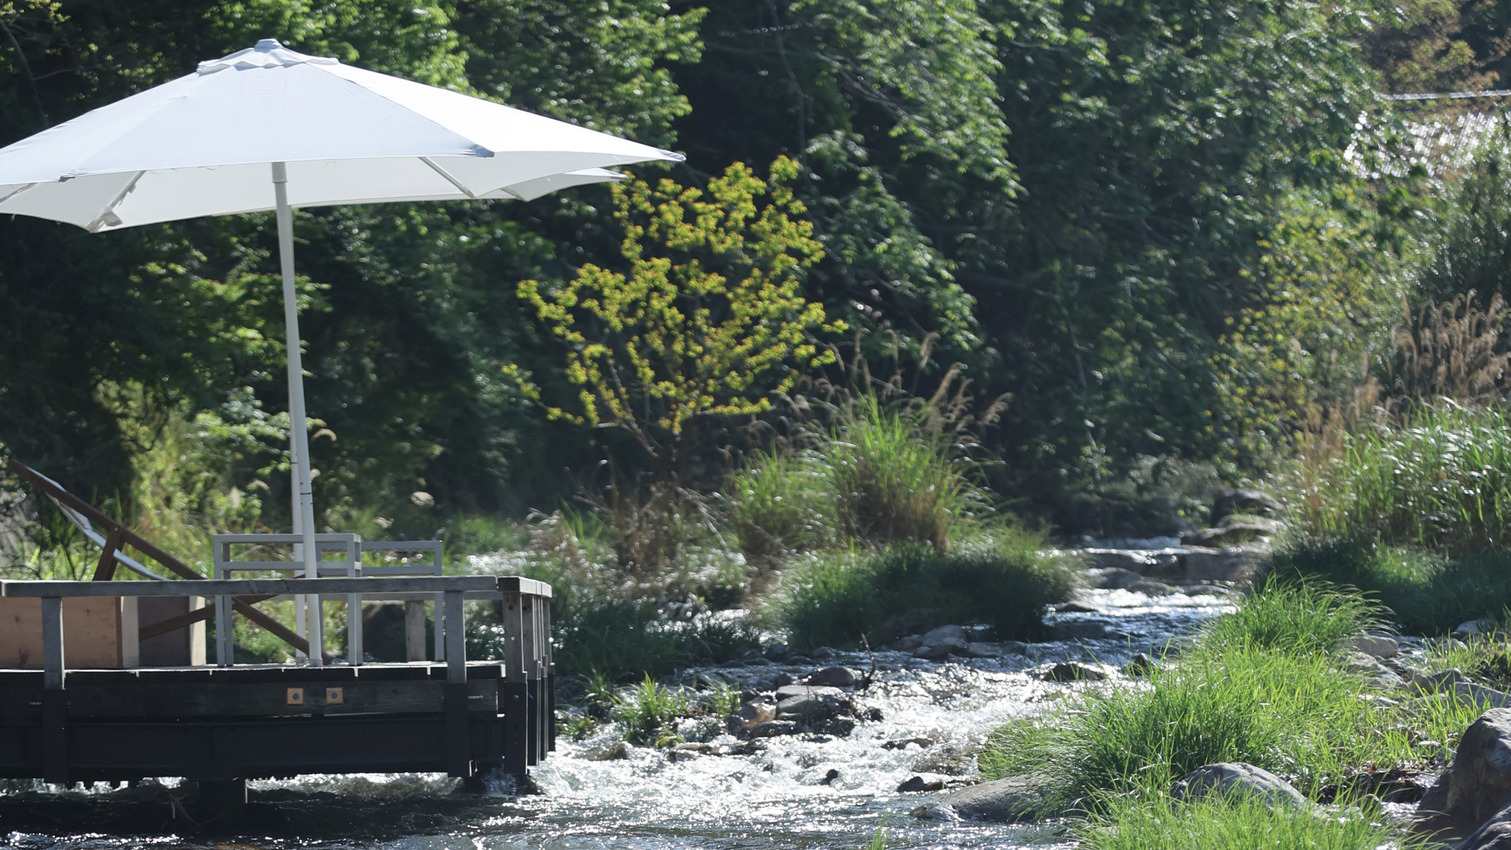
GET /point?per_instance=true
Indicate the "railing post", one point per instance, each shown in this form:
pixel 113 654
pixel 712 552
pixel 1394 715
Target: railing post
pixel 458 725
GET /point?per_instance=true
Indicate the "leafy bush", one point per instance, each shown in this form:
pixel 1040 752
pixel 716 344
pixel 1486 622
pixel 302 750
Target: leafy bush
pixel 838 600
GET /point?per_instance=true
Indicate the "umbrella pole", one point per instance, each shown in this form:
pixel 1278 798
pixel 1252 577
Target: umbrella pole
pixel 299 438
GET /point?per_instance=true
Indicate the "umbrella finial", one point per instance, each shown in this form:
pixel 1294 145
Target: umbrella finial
pixel 269 53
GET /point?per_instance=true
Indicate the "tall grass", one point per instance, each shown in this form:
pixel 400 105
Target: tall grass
pixel 880 474
pixel 892 480
pixel 842 599
pixel 780 504
pixel 1423 592
pixel 1298 617
pixel 1217 824
pixel 1441 482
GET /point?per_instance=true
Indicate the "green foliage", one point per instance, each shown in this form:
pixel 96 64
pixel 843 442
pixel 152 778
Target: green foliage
pixel 1304 618
pixel 1426 593
pixel 1470 248
pixel 1440 481
pixel 779 504
pixel 1219 824
pixel 1231 697
pixel 707 320
pixel 1325 312
pixel 1438 46
pixel 648 711
pixel 842 600
pixel 892 480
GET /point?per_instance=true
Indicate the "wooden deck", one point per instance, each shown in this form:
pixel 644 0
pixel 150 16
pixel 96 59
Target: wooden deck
pixel 233 723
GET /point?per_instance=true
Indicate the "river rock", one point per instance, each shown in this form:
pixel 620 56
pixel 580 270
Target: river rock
pixel 773 729
pixel 943 642
pixel 1228 564
pixel 1069 671
pixel 1238 779
pixel 1080 630
pixel 1113 578
pixel 814 706
pixel 1014 799
pixel 1493 834
pixel 1243 500
pixel 1475 627
pixel 832 677
pixel 1377 646
pixel 917 784
pixel 1233 531
pixel 1477 784
pixel 1142 561
pixel 982 649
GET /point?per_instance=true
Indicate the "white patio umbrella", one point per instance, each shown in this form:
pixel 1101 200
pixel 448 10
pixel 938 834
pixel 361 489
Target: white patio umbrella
pixel 268 128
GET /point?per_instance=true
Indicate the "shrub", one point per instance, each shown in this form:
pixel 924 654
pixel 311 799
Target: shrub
pixel 839 600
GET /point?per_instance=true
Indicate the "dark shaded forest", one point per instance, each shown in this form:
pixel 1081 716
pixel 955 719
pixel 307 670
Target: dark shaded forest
pixel 1161 241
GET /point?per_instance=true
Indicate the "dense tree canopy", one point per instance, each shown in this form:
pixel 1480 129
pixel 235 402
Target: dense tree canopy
pixel 1111 210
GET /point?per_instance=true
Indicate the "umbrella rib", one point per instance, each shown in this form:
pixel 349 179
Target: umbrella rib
pixel 18 190
pixel 446 175
pixel 106 216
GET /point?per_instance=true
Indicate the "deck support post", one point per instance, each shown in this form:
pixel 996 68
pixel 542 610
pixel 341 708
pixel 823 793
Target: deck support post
pixel 458 724
pixel 54 697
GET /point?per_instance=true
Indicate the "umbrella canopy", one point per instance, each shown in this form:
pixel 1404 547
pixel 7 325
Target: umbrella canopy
pixel 268 128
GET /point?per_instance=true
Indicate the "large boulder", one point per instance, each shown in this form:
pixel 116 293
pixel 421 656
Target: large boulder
pixel 1493 834
pixel 1477 784
pixel 1238 779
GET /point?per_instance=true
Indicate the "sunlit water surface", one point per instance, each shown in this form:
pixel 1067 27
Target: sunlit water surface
pixel 798 792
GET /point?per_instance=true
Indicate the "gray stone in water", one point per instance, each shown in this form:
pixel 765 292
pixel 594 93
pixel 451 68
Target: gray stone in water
pixel 1014 799
pixel 951 638
pixel 1149 587
pixel 1477 784
pixel 1244 500
pixel 1080 630
pixel 1113 578
pixel 1069 671
pixel 1232 564
pixel 981 649
pixel 774 729
pixel 1474 627
pixel 1238 779
pixel 836 677
pixel 916 784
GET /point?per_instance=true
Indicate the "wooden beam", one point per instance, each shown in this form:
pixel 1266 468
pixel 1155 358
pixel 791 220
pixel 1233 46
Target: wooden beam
pixel 252 587
pixel 105 569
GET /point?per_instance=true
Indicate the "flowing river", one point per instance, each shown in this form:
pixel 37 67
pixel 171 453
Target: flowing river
pixel 795 792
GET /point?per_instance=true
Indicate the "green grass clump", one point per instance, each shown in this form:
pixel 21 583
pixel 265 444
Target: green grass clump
pixel 892 480
pixel 1300 617
pixel 649 711
pixel 880 475
pixel 1239 693
pixel 778 505
pixel 1218 824
pixel 1425 593
pixel 1442 482
pixel 837 600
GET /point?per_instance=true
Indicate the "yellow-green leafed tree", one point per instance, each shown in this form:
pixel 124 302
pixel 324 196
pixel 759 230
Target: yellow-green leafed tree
pixel 705 318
